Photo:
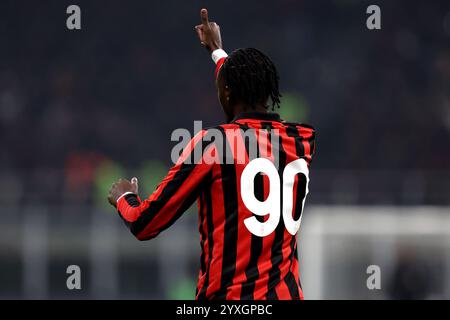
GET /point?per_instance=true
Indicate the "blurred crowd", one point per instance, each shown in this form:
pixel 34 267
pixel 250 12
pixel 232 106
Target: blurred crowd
pixel 79 109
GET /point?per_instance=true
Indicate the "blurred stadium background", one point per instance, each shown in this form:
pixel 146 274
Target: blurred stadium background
pixel 79 109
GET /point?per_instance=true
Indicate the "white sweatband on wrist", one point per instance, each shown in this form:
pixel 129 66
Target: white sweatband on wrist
pixel 123 195
pixel 218 54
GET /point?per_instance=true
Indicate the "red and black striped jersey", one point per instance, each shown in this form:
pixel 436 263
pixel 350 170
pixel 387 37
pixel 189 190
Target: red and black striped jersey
pixel 250 202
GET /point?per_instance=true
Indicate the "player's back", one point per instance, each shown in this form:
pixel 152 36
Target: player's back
pixel 250 209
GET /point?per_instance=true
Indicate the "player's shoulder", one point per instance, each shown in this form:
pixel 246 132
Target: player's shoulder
pixel 214 132
pixel 303 128
pixel 222 127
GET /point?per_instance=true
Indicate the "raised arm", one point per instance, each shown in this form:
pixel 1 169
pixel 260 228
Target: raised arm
pixel 210 38
pixel 208 33
pixel 182 185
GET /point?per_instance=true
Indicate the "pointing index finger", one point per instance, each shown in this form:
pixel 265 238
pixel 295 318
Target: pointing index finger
pixel 204 17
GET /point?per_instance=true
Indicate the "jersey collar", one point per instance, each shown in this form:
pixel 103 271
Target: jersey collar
pixel 268 116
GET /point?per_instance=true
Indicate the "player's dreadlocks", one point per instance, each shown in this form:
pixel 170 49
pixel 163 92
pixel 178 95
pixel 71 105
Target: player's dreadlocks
pixel 252 77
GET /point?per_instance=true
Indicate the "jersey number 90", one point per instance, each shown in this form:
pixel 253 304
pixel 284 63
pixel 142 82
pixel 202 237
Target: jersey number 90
pixel 272 206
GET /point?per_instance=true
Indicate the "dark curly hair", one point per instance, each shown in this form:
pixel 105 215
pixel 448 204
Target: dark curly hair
pixel 251 77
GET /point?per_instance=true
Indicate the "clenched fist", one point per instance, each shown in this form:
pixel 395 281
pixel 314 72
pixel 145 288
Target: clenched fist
pixel 120 187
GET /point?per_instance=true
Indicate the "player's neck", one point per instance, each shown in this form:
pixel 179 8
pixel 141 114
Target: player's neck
pixel 241 108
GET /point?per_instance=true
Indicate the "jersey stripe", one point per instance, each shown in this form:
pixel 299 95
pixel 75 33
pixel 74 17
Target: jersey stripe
pixel 203 258
pixel 229 188
pixel 284 290
pixel 216 234
pixel 235 139
pixel 264 261
pixel 277 247
pixel 295 150
pixel 251 271
pixel 210 241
